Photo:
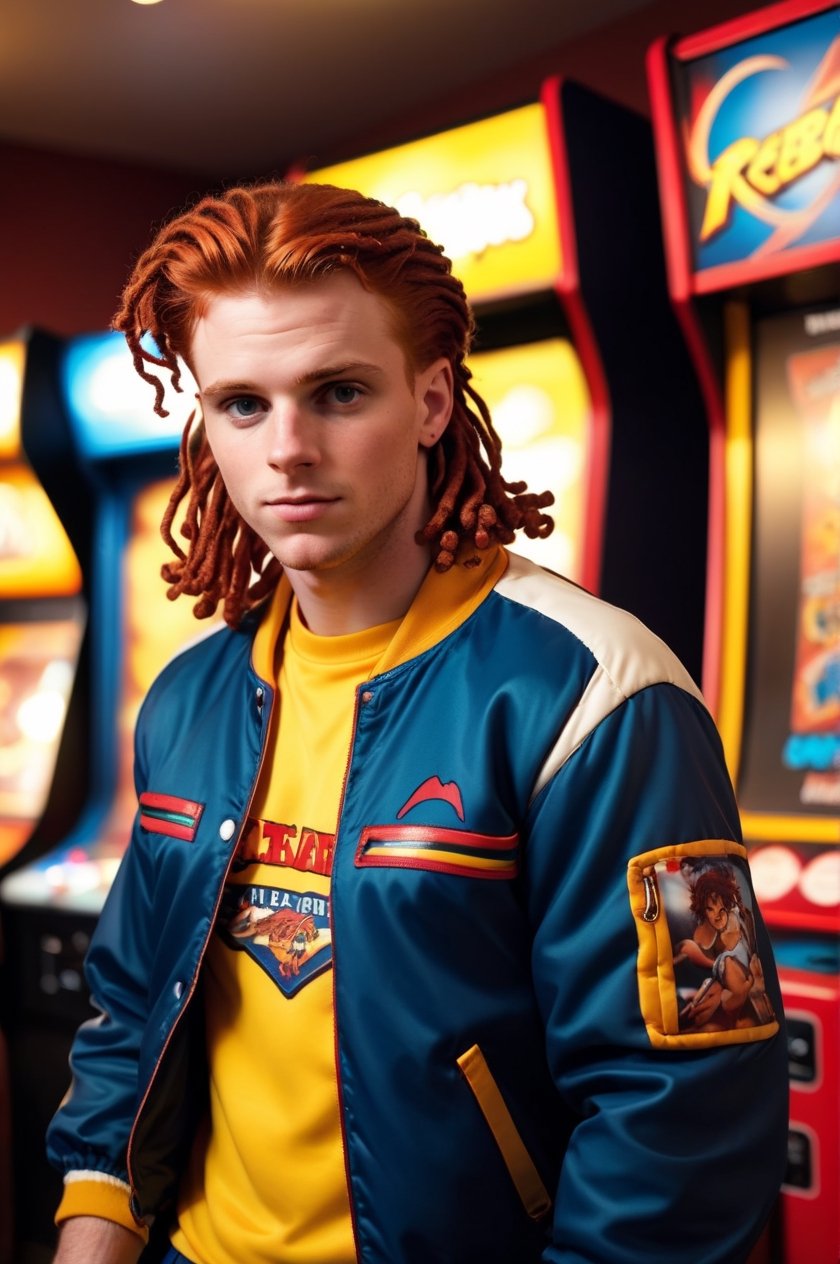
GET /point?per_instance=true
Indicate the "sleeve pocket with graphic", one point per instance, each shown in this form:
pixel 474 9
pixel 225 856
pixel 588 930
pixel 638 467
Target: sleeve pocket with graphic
pixel 700 975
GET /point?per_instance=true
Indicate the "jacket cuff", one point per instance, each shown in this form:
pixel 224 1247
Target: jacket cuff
pixel 98 1194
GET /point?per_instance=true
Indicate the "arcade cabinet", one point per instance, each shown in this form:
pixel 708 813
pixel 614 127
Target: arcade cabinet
pixel 42 622
pixel 49 906
pixel 747 123
pixel 550 217
pixel 42 608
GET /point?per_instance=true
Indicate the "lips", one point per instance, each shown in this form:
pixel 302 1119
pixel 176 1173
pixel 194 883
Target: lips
pixel 300 508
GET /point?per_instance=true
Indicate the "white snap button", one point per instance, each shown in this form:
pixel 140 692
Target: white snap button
pixel 178 990
pixel 227 829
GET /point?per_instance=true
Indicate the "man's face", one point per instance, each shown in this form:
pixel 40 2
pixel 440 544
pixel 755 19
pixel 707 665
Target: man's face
pixel 317 430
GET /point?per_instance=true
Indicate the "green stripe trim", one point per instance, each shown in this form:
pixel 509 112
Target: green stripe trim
pixel 174 818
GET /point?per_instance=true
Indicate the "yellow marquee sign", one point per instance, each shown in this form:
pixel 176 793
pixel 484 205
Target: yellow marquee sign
pixel 484 191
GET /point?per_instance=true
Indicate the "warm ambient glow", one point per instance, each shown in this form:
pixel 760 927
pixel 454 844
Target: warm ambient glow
pixel 147 1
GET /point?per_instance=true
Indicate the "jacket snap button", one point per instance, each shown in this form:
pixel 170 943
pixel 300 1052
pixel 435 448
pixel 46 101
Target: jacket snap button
pixel 226 829
pixel 367 696
pixel 178 990
pixel 260 695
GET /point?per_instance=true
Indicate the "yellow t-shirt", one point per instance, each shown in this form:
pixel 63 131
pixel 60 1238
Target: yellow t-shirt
pixel 266 1181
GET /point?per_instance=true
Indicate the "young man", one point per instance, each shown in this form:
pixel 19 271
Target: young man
pixel 388 973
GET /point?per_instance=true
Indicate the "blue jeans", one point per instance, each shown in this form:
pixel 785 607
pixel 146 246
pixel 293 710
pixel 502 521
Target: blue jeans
pixel 174 1257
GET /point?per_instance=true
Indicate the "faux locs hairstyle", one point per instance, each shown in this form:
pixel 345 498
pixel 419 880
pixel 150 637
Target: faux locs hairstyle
pixel 280 234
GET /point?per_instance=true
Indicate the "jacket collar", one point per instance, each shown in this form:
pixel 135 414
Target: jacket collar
pixel 442 604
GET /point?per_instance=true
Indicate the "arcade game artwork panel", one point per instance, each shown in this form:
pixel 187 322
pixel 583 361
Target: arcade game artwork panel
pixel 747 119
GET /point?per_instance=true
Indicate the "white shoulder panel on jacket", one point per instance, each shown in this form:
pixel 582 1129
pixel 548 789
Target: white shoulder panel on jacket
pixel 628 655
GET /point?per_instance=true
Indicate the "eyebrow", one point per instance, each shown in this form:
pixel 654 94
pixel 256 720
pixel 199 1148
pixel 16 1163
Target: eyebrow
pixel 325 374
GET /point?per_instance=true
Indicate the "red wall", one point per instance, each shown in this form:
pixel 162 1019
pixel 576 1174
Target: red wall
pixel 70 228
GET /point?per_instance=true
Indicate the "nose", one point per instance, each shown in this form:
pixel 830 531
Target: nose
pixel 293 443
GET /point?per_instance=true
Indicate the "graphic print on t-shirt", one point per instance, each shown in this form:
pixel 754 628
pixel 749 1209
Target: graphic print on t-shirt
pixel 285 931
pixel 271 843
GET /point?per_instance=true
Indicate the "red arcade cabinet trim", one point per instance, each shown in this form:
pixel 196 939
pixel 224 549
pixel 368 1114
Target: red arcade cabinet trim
pixel 748 25
pixel 794 259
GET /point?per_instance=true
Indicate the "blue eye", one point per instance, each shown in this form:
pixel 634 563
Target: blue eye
pixel 344 393
pixel 244 407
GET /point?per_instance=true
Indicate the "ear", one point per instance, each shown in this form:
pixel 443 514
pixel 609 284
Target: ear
pixel 435 397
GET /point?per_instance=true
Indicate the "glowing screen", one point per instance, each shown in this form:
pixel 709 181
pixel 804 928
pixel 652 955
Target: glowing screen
pixel 37 667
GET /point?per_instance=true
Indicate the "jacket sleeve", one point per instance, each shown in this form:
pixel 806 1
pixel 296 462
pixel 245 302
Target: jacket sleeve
pixel 679 1145
pixel 88 1137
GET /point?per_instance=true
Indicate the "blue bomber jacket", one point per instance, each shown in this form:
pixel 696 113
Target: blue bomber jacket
pixel 557 1016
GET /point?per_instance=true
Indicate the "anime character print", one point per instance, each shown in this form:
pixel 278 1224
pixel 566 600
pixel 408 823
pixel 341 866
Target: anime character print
pixel 718 972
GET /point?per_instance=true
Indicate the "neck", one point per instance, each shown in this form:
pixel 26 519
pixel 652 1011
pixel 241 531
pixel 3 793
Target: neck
pixel 333 602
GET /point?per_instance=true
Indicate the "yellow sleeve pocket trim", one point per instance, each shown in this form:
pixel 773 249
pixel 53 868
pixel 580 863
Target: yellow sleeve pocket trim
pixel 520 1165
pixel 701 979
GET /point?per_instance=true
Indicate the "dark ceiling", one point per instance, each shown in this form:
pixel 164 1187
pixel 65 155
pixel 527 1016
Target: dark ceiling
pixel 225 86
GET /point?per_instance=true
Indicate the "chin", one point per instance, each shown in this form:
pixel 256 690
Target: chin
pixel 309 559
